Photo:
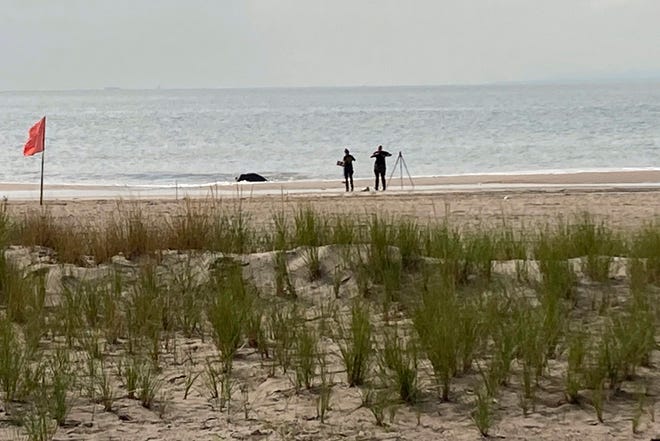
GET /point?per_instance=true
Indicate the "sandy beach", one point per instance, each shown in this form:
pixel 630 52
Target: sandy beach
pixel 270 407
pixel 621 199
pixel 397 183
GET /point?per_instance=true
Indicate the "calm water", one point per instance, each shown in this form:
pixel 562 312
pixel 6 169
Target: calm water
pixel 159 137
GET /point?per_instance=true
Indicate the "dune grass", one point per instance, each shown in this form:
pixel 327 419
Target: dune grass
pixel 230 306
pixel 440 335
pixel 416 295
pixel 15 358
pixel 399 364
pixel 356 345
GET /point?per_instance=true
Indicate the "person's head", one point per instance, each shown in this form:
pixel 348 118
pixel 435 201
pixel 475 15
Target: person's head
pixel 346 151
pixel 380 147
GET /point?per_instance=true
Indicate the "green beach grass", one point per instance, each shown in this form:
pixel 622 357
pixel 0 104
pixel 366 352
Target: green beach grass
pixel 426 319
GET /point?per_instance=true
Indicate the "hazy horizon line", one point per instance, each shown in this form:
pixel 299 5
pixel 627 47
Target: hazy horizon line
pixel 553 81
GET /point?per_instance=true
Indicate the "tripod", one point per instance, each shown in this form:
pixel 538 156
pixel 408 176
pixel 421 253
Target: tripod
pixel 402 163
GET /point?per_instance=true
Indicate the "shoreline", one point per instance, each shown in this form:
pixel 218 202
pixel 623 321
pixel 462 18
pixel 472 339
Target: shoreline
pixel 638 179
pixel 622 200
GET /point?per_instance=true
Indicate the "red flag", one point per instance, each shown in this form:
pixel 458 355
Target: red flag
pixel 36 138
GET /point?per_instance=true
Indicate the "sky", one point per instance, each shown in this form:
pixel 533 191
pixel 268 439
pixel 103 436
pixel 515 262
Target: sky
pixel 88 44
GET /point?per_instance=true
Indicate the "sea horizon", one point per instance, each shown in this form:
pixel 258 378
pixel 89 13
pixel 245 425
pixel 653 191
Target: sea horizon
pixel 650 78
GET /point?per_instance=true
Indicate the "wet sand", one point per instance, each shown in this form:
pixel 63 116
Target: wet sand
pixel 622 179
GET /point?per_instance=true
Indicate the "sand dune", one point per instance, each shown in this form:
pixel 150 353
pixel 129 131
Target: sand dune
pixel 270 409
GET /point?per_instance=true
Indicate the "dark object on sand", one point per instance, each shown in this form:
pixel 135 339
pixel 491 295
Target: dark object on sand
pixel 251 177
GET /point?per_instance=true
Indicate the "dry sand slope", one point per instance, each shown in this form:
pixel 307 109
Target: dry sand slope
pixel 266 404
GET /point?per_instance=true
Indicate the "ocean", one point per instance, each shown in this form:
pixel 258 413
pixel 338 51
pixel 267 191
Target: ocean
pixel 163 138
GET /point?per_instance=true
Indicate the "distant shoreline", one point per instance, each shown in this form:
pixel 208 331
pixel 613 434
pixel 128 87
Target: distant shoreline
pixel 484 182
pixel 652 77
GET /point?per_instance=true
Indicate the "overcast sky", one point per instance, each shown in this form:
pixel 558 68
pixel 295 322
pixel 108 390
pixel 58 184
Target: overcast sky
pixel 77 44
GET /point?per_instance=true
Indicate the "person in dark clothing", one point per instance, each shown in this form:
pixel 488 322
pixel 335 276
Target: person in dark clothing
pixel 379 165
pixel 348 168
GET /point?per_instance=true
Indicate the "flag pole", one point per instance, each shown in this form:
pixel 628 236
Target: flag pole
pixel 43 153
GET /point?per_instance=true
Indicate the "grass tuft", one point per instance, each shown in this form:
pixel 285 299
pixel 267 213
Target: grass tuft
pixel 399 362
pixel 356 344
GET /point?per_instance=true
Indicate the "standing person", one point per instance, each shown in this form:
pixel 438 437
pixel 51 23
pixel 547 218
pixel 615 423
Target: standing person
pixel 348 168
pixel 379 165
